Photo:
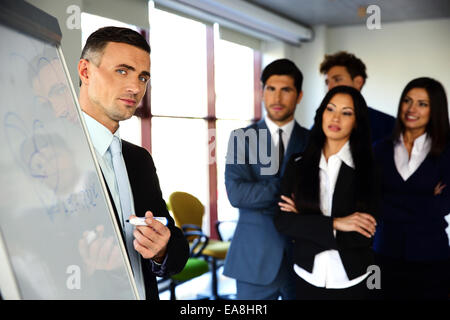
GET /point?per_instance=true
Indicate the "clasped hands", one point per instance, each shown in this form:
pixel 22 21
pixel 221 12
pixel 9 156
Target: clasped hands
pixel 360 222
pixel 438 188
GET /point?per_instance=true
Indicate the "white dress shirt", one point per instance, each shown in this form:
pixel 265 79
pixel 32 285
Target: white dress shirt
pixel 328 270
pixel 405 165
pixel 286 135
pixel 101 138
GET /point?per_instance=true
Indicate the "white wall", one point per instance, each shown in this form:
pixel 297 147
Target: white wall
pixel 396 54
pixel 307 58
pixel 71 38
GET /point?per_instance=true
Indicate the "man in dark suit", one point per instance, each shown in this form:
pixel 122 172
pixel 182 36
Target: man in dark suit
pixel 259 257
pixel 114 70
pixel 345 69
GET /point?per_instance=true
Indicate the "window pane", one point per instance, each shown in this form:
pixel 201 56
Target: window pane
pixel 130 130
pixel 179 82
pixel 233 80
pixel 180 152
pixel 223 129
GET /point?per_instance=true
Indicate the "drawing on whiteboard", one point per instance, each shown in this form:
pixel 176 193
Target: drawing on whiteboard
pixel 50 86
pixel 47 160
pixel 47 80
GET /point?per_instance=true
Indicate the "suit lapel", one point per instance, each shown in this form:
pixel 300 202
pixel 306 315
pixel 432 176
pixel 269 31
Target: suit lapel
pixel 296 141
pixel 263 156
pixel 294 144
pixel 343 195
pixel 261 125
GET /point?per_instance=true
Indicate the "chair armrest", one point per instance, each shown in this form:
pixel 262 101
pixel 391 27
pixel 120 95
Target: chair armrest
pixel 217 225
pixel 200 241
pixel 189 227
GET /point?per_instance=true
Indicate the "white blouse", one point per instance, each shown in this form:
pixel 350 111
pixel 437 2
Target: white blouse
pixel 328 270
pixel 405 165
pixel 286 135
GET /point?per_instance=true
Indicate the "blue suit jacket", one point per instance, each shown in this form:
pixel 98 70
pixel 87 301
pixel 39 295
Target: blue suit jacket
pixel 257 248
pixel 411 225
pixel 381 124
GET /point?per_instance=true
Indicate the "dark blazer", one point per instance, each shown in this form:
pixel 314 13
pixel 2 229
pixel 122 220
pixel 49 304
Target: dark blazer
pixel 412 224
pixel 147 196
pixel 312 232
pixel 381 124
pixel 256 252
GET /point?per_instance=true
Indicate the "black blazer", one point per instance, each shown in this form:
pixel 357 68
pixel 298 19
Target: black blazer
pixel 312 232
pixel 381 124
pixel 147 196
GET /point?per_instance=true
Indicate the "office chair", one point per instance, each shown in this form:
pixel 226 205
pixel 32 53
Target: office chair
pixel 188 213
pixel 195 266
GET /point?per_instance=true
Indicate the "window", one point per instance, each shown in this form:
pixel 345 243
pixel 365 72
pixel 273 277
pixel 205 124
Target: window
pixel 233 80
pixel 178 69
pixel 203 87
pixel 234 76
pixel 179 105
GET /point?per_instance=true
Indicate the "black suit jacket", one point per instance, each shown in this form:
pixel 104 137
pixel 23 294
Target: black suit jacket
pixel 147 196
pixel 312 232
pixel 381 124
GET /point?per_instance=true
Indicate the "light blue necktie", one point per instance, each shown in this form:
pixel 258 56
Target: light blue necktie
pixel 120 172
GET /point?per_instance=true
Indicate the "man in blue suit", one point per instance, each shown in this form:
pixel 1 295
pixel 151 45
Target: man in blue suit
pixel 259 257
pixel 345 69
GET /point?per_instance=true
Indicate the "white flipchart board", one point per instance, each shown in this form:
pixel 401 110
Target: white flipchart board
pixel 58 237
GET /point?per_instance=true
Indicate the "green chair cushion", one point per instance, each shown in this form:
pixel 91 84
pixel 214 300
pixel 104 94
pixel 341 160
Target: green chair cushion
pixel 194 267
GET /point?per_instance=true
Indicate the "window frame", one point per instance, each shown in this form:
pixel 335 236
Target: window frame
pixel 144 112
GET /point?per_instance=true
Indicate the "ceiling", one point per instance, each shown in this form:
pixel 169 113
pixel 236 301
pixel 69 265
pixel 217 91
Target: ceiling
pixel 350 12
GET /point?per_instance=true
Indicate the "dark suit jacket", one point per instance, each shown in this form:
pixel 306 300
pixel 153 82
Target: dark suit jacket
pixel 312 232
pixel 412 224
pixel 147 196
pixel 257 249
pixel 381 124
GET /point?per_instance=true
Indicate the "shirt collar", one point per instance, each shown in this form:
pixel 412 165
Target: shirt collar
pixel 345 155
pixel 101 137
pixel 273 127
pixel 421 144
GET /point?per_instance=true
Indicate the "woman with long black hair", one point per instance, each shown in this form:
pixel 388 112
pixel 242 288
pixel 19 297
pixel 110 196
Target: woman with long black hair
pixel 330 201
pixel 411 244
